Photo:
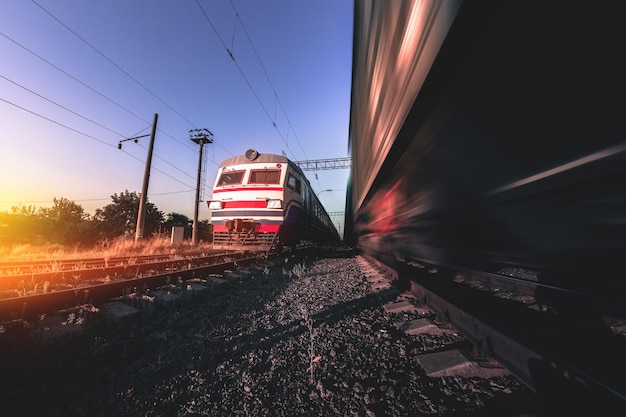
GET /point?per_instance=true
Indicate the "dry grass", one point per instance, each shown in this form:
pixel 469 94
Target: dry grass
pixel 106 249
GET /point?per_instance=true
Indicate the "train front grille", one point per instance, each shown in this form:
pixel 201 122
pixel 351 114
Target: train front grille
pixel 243 238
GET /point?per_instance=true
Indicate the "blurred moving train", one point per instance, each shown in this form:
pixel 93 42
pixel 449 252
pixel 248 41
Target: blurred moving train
pixel 491 134
pixel 261 201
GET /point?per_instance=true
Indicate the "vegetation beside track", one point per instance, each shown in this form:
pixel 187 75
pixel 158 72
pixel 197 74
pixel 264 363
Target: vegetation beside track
pixel 66 223
pixel 108 248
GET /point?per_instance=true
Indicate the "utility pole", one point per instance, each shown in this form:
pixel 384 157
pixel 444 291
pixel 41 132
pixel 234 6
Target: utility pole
pixel 201 137
pixel 141 214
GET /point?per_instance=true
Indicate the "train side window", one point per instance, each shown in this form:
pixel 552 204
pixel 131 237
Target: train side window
pixel 231 177
pixel 294 183
pixel 264 176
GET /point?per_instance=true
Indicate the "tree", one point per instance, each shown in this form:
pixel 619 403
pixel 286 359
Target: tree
pixel 176 219
pixel 21 224
pixel 27 211
pixel 120 217
pixel 65 210
pixel 66 222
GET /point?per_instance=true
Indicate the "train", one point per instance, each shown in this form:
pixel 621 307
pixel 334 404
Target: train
pixel 264 202
pixel 490 135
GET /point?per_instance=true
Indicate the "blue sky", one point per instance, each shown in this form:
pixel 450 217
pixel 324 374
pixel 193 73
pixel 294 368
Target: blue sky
pixel 76 77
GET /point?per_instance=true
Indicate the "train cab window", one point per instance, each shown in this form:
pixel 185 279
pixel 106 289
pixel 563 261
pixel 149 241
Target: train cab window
pixel 230 178
pixel 264 176
pixel 294 183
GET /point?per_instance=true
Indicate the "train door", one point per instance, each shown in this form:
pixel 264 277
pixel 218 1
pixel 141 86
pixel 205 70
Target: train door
pixel 309 211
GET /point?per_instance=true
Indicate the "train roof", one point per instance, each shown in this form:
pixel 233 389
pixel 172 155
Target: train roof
pixel 267 158
pixel 261 158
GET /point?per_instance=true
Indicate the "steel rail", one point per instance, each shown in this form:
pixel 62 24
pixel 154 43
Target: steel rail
pixel 553 378
pixel 9 282
pixel 32 306
pixel 69 264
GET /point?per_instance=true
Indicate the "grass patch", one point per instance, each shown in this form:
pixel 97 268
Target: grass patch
pixel 105 249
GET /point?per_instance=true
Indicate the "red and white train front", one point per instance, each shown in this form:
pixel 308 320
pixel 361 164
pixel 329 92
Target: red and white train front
pixel 253 195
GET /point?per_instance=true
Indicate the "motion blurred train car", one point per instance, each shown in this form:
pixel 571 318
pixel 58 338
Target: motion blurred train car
pixel 262 201
pixel 491 134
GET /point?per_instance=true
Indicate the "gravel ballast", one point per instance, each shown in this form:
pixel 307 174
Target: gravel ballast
pixel 301 337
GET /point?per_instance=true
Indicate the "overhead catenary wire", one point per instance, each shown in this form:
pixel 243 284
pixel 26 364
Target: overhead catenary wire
pixel 232 56
pixel 287 136
pixel 58 123
pixel 82 39
pixel 61 106
pixel 112 63
pixel 243 26
pixel 169 163
pixel 110 100
pixel 83 117
pixel 230 53
pixel 73 77
pixel 126 73
pixel 158 170
pixel 88 136
pixel 277 99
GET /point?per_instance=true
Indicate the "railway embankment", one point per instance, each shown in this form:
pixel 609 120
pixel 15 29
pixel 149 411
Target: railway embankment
pixel 298 336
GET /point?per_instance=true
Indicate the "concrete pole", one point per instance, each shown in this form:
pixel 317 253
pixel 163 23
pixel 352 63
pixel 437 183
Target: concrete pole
pixel 194 231
pixel 141 214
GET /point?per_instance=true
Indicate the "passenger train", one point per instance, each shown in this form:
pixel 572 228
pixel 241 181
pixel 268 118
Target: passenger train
pixel 491 135
pixel 264 201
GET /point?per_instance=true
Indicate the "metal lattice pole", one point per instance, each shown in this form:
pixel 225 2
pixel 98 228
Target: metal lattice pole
pixel 201 137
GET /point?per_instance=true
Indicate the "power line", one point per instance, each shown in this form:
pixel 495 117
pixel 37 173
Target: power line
pixel 289 125
pixel 90 137
pixel 57 123
pixel 112 63
pixel 131 77
pixel 128 75
pixel 80 115
pixel 74 78
pixel 90 88
pixel 79 132
pixel 244 76
pixel 169 163
pixel 156 169
pixel 61 106
pixel 238 17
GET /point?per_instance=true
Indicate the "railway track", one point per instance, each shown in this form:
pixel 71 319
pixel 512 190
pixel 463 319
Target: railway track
pixel 545 353
pixel 562 344
pixel 309 337
pixel 27 296
pixel 13 268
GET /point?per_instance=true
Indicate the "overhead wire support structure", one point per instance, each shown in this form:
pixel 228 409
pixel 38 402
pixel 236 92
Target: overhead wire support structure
pixel 324 164
pixel 135 139
pixel 141 213
pixel 201 137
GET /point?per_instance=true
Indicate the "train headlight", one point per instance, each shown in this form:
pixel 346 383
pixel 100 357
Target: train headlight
pixel 274 204
pixel 215 205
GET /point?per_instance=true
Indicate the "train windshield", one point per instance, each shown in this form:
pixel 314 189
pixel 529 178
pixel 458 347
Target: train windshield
pixel 264 176
pixel 231 177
